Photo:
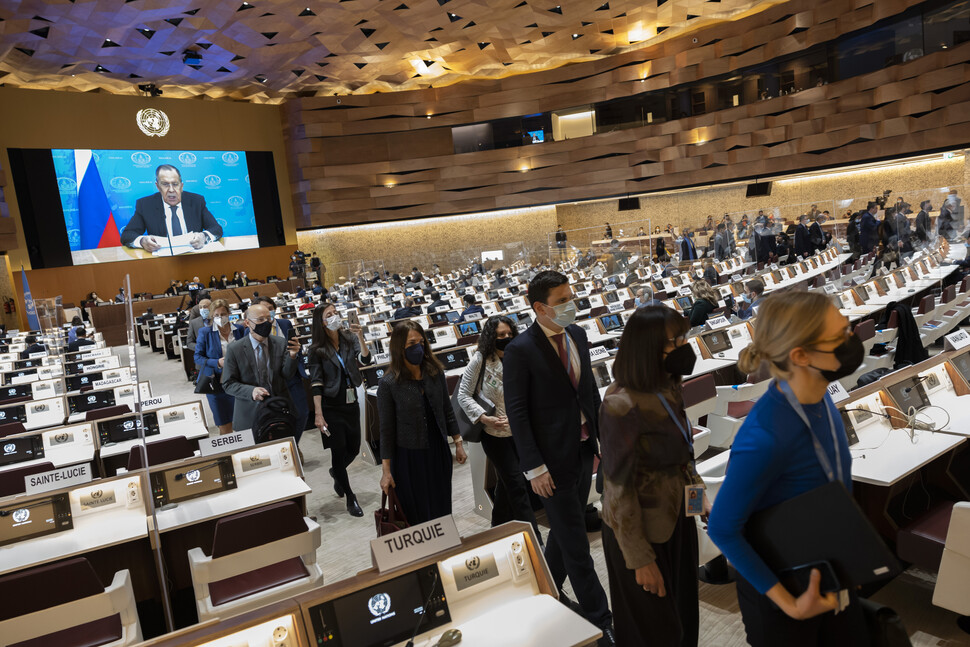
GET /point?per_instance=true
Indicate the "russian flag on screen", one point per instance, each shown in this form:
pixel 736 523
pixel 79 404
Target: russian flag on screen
pixel 97 223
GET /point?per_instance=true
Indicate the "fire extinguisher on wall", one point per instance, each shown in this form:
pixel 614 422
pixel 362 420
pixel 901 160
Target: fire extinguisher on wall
pixel 7 306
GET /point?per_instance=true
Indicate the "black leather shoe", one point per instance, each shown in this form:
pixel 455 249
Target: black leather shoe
pixel 353 507
pixel 337 487
pixel 608 639
pixel 571 604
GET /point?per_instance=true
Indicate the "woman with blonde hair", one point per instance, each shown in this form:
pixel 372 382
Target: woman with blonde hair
pixel 793 441
pixel 705 302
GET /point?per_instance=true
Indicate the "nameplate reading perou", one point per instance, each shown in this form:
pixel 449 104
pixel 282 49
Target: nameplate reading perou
pixel 415 543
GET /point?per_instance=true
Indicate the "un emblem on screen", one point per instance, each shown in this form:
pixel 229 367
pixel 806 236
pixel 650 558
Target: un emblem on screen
pixel 230 158
pixel 379 604
pixel 152 122
pixel 193 476
pixel 9 448
pixel 21 515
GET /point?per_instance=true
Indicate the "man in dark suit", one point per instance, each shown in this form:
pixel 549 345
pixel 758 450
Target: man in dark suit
pixel 803 243
pixel 171 212
pixel 282 327
pixel 687 250
pixel 867 227
pixel 81 340
pixel 257 366
pixel 552 405
pixel 436 302
pixel 198 322
pixel 33 346
pixel 408 310
pixel 816 235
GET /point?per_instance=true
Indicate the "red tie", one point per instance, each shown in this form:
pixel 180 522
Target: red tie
pixel 568 365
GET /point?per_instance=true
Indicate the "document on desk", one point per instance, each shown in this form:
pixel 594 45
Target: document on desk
pixel 182 244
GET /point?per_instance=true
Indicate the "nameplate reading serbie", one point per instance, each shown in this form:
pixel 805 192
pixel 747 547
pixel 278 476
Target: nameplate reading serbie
pixel 417 542
pixel 63 477
pixel 956 340
pixel 227 442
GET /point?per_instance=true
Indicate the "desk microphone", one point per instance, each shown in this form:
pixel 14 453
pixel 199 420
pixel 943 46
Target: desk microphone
pixel 909 389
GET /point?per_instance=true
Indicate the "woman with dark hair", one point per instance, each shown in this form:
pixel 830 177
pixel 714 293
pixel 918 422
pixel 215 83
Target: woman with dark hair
pixel 213 282
pixel 416 419
pixel 485 368
pixel 334 354
pixel 649 541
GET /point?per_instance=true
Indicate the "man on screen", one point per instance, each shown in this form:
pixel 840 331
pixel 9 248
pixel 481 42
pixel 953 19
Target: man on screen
pixel 172 212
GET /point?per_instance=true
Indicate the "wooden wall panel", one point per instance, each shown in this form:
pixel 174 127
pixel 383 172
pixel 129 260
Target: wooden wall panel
pixel 395 163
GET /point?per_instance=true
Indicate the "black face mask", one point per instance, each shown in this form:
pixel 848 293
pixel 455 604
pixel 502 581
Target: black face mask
pixel 850 354
pixel 681 360
pixel 263 329
pixel 500 343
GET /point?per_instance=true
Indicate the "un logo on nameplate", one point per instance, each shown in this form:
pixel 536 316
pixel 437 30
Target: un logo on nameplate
pixel 152 122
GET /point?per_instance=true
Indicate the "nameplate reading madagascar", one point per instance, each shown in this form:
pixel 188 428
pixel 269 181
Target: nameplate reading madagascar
pixel 227 442
pixel 417 542
pixel 63 477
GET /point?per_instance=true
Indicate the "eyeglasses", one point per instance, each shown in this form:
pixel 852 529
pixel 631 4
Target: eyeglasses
pixel 169 185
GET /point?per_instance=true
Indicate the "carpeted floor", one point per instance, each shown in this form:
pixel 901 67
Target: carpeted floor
pixel 345 539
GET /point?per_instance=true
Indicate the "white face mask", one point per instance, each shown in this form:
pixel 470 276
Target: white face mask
pixel 333 322
pixel 220 321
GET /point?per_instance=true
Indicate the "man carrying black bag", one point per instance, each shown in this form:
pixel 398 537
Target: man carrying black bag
pixel 257 366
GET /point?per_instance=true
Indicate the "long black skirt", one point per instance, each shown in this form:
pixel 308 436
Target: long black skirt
pixel 423 480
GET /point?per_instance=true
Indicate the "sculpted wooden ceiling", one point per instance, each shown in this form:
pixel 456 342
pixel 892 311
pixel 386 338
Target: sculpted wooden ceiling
pixel 266 50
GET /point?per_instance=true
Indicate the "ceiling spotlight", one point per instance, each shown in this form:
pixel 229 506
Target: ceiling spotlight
pixel 575 36
pixel 150 89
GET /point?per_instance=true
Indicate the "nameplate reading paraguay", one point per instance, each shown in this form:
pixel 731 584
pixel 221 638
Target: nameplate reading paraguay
pixel 417 542
pixel 63 477
pixel 226 443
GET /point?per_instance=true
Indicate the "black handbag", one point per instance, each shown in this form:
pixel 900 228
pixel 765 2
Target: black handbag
pixel 472 431
pixel 209 385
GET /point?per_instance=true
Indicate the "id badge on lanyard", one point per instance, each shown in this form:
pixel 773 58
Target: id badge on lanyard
pixel 823 458
pixel 350 391
pixel 693 494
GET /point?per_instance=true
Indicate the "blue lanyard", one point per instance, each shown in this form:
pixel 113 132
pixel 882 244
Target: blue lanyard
pixel 823 458
pixel 685 431
pixel 341 360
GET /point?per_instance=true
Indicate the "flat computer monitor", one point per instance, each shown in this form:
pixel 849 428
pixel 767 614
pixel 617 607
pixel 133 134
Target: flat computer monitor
pixel 469 328
pixel 611 322
pixel 962 364
pixel 453 358
pixel 909 393
pixel 685 302
pixel 192 481
pixel 583 304
pixel 717 341
pixel 90 401
pixel 32 519
pixel 118 430
pixel 20 449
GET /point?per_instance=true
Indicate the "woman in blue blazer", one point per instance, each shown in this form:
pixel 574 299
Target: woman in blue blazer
pixel 210 351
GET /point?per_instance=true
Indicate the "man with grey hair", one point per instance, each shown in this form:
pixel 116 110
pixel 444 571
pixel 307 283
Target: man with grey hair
pixel 169 213
pixel 257 366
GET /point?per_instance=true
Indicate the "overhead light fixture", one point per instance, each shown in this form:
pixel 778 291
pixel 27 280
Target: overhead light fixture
pixel 191 58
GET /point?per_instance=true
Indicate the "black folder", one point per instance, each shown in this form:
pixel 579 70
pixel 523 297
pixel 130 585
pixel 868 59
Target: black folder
pixel 821 525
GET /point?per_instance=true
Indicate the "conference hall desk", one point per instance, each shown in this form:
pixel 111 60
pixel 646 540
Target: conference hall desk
pixel 634 244
pixel 105 521
pixel 494 587
pixel 123 253
pixel 112 319
pixel 891 463
pixel 234 482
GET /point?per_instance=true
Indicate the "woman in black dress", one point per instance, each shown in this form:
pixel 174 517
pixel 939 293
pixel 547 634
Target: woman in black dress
pixel 334 356
pixel 416 419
